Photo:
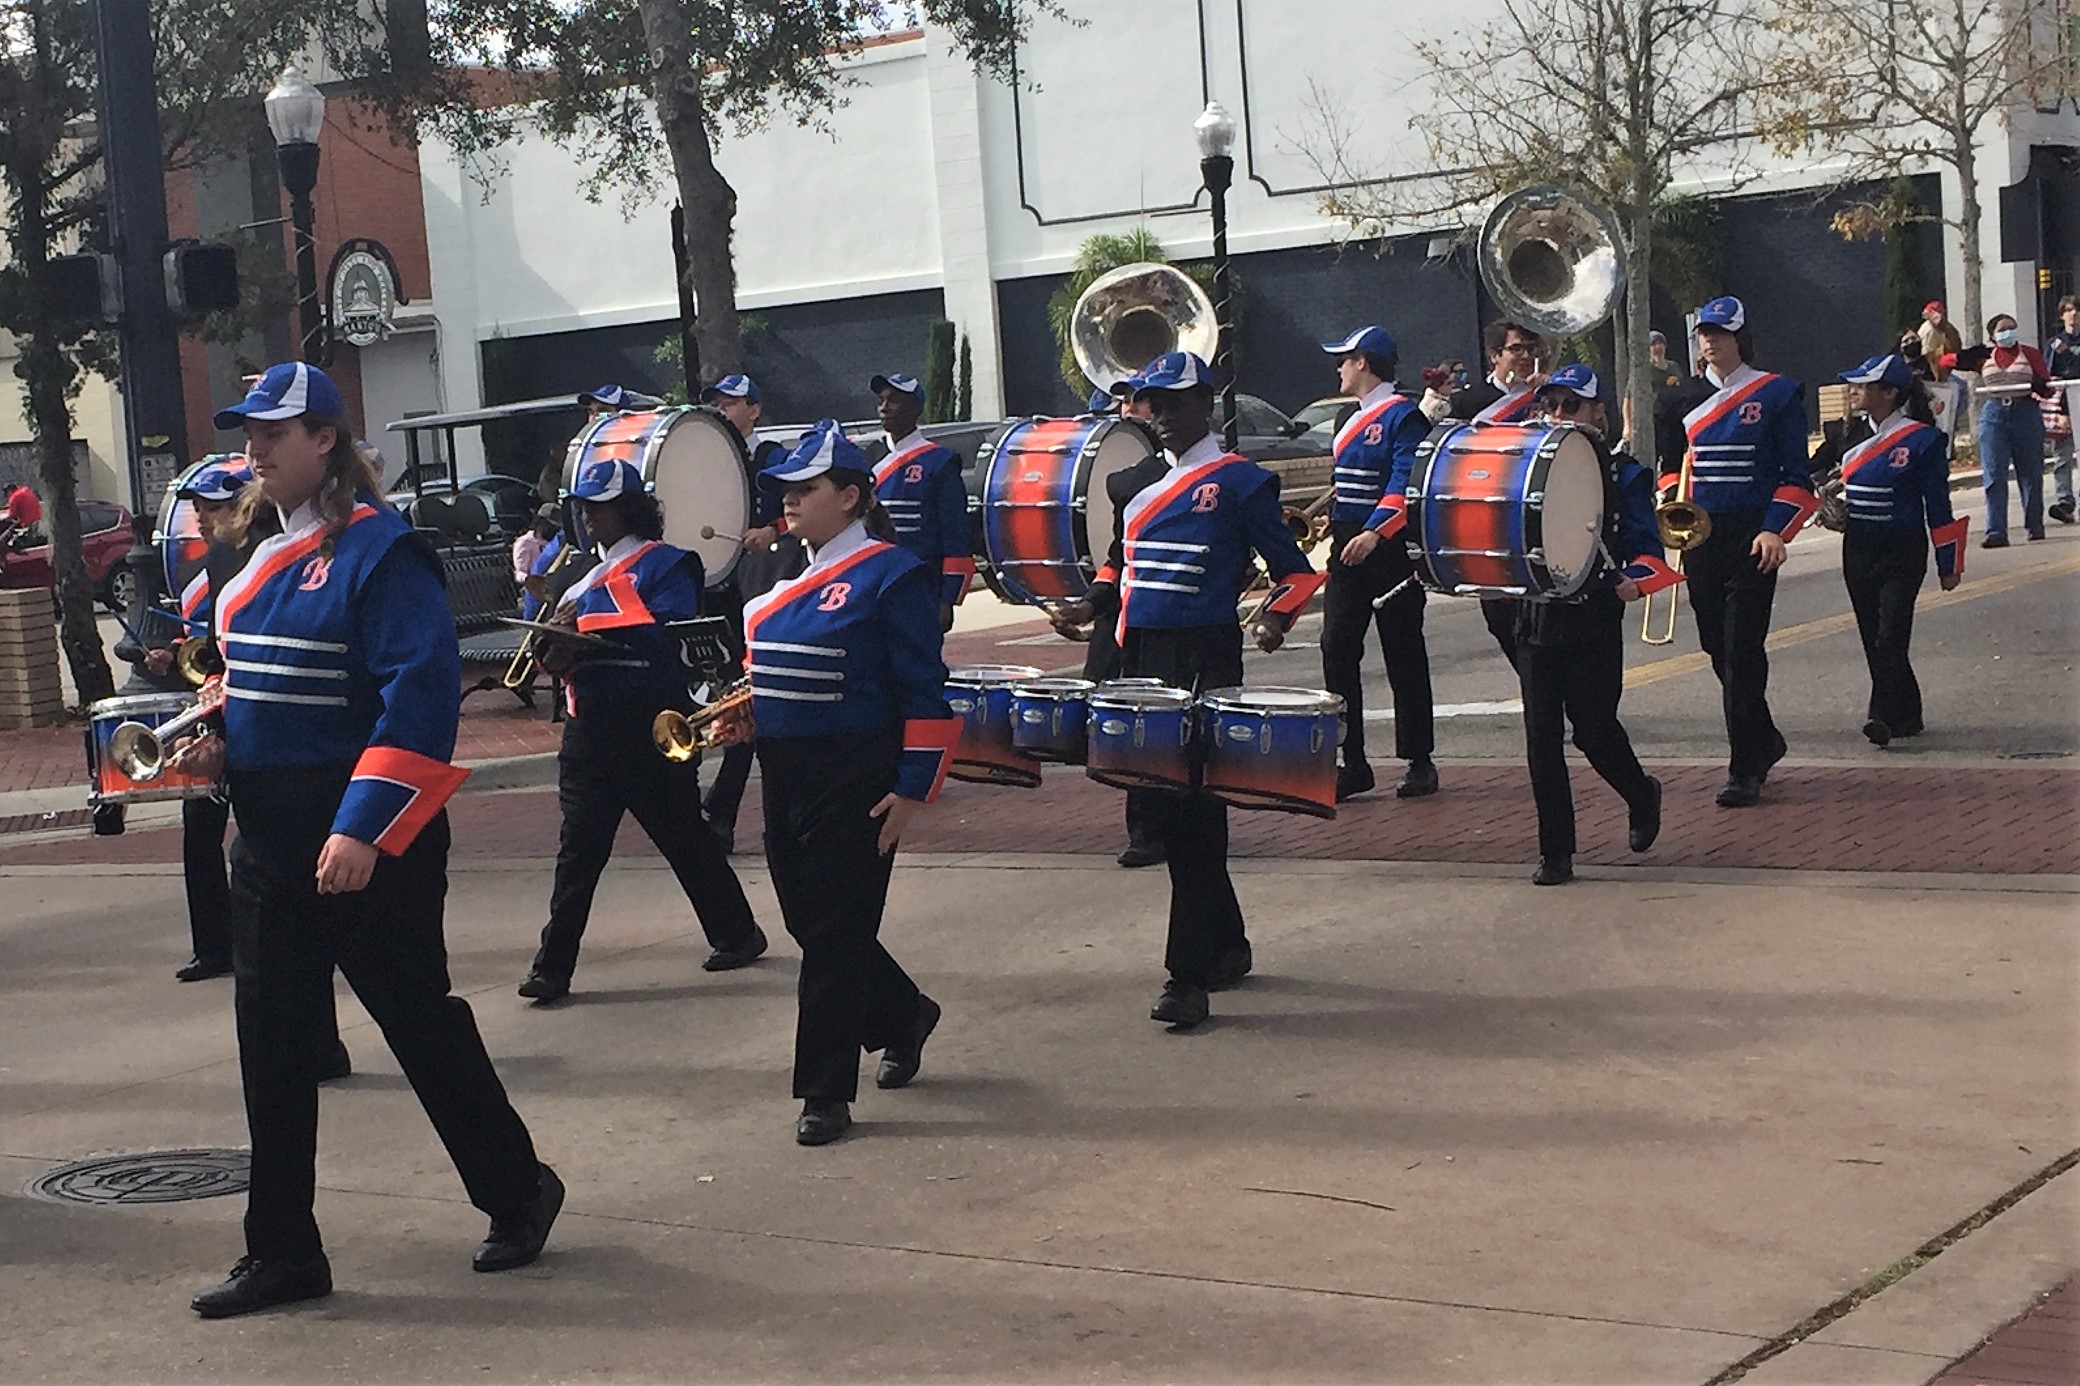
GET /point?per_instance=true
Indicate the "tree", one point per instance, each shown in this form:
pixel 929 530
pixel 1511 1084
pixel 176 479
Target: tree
pixel 213 57
pixel 1608 97
pixel 643 92
pixel 964 387
pixel 1913 85
pixel 1904 290
pixel 938 373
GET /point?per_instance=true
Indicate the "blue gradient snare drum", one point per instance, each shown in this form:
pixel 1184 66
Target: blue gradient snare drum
pixel 1049 719
pixel 1140 736
pixel 1273 748
pixel 980 695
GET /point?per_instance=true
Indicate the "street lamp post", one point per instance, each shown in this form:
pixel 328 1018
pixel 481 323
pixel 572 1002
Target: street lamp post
pixel 296 113
pixel 1216 131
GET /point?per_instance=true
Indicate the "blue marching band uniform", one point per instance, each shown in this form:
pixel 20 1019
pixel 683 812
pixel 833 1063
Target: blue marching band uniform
pixel 919 484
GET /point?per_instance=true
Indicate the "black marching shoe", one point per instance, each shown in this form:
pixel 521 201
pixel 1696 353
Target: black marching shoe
pixel 1182 1004
pixel 201 969
pixel 2062 512
pixel 1994 541
pixel 1234 965
pixel 822 1121
pixel 1769 762
pixel 1354 779
pixel 1645 821
pixel 1877 733
pixel 743 955
pixel 1740 791
pixel 1553 871
pixel 541 987
pixel 900 1061
pixel 1420 782
pixel 516 1241
pixel 257 1283
pixel 2035 535
pixel 1143 854
pixel 336 1065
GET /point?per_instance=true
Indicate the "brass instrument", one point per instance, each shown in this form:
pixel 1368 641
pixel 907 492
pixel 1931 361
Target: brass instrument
pixel 197 661
pixel 680 736
pixel 1309 526
pixel 1552 259
pixel 1683 525
pixel 1131 315
pixel 1834 502
pixel 139 751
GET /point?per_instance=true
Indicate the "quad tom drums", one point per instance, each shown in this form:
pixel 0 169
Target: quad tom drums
pixel 981 696
pixel 1046 515
pixel 693 461
pixel 1506 510
pixel 1272 748
pixel 1050 719
pixel 1141 736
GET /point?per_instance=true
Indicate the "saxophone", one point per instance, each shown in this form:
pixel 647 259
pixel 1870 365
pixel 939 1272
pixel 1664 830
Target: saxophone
pixel 1834 502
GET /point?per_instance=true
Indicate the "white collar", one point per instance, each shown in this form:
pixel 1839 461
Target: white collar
pixel 1379 393
pixel 895 445
pixel 621 548
pixel 1738 376
pixel 304 517
pixel 1892 421
pixel 1205 450
pixel 847 542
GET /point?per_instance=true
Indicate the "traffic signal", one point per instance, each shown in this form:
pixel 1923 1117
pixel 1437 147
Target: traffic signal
pixel 201 279
pixel 80 288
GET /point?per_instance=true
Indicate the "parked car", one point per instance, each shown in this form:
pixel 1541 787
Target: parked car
pixel 104 538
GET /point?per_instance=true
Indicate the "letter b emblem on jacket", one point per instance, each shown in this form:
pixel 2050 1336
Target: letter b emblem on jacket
pixel 833 596
pixel 1751 412
pixel 914 473
pixel 314 574
pixel 1205 498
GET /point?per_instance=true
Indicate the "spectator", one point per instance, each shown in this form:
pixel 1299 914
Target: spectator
pixel 2012 379
pixel 1939 337
pixel 528 547
pixel 1665 376
pixel 1438 383
pixel 2063 351
pixel 24 515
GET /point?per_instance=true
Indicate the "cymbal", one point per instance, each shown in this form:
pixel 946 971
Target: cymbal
pixel 546 630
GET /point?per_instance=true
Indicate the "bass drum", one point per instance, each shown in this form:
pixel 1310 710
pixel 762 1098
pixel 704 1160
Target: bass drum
pixel 179 534
pixel 1506 510
pixel 695 464
pixel 1046 515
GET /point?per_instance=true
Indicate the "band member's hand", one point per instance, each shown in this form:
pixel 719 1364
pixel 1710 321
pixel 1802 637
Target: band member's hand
pixel 536 586
pixel 565 614
pixel 1270 633
pixel 1071 620
pixel 895 813
pixel 1950 581
pixel 555 658
pixel 760 539
pixel 946 618
pixel 1627 590
pixel 345 865
pixel 1360 547
pixel 1768 551
pixel 201 756
pixel 158 661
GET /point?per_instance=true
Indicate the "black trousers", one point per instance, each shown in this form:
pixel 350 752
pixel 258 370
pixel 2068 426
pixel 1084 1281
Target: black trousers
pixel 1883 571
pixel 1732 598
pixel 1101 661
pixel 607 766
pixel 1577 681
pixel 832 880
pixel 202 871
pixel 1500 614
pixel 1346 612
pixel 388 941
pixel 1205 917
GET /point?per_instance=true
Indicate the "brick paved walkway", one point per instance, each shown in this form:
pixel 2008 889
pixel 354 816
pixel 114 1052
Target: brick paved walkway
pixel 2042 1348
pixel 2020 821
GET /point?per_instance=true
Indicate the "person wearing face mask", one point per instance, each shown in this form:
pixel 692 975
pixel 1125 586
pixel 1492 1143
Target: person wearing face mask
pixel 1571 654
pixel 2013 378
pixel 343 687
pixel 2063 358
pixel 848 694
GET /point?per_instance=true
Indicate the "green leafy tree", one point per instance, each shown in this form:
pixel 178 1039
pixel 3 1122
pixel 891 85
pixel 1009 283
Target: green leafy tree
pixel 938 373
pixel 964 389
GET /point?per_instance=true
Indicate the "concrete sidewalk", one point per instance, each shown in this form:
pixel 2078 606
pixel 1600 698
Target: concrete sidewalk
pixel 1455 1130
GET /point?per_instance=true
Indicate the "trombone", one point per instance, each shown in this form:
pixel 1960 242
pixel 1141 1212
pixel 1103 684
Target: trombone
pixel 1683 525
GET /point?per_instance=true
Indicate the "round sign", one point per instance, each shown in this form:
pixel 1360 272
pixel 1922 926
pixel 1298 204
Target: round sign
pixel 364 298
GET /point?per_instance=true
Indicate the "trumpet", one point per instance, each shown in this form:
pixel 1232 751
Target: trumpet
pixel 1683 525
pixel 680 736
pixel 139 751
pixel 196 660
pixel 1309 527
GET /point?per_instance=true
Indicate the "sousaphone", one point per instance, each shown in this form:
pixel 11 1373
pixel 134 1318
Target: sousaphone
pixel 1131 315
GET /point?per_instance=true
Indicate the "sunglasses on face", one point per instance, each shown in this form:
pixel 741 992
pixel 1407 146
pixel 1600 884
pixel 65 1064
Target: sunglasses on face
pixel 1520 349
pixel 1567 406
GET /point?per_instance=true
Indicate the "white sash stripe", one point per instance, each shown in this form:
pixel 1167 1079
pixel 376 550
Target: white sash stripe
pixel 789 695
pixel 282 642
pixel 255 695
pixel 783 672
pixel 1161 544
pixel 1161 586
pixel 292 671
pixel 782 647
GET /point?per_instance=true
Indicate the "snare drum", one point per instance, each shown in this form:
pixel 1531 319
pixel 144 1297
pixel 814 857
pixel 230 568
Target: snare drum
pixel 1506 510
pixel 981 695
pixel 1049 719
pixel 1046 515
pixel 1273 748
pixel 106 782
pixel 1140 736
pixel 693 461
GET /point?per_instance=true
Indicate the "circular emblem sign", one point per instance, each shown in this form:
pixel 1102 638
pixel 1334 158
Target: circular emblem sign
pixel 364 298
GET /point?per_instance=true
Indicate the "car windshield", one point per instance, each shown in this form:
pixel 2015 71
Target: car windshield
pixel 1323 411
pixel 1259 418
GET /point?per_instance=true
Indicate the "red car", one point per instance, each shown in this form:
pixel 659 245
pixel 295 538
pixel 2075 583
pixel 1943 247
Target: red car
pixel 104 534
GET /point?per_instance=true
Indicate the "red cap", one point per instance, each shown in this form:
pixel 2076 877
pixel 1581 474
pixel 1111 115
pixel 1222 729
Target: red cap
pixel 1933 305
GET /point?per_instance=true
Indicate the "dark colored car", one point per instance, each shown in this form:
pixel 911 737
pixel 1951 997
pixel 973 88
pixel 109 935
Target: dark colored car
pixel 104 537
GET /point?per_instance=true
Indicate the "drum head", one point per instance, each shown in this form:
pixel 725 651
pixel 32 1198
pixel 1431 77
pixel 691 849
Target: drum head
pixel 1571 519
pixel 1048 688
pixel 701 475
pixel 1118 444
pixel 179 535
pixel 992 675
pixel 1272 700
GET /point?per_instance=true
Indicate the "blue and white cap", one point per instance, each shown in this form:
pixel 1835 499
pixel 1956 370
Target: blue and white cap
pixel 1376 340
pixel 906 384
pixel 221 477
pixel 1127 386
pixel 1100 402
pixel 822 448
pixel 605 480
pixel 1727 312
pixel 1576 380
pixel 1890 370
pixel 1174 370
pixel 735 386
pixel 616 397
pixel 287 391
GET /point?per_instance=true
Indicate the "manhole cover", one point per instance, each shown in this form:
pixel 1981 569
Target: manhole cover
pixel 157 1176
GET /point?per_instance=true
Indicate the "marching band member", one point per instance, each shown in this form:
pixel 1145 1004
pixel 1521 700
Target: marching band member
pixel 1177 623
pixel 854 737
pixel 1751 474
pixel 607 764
pixel 1897 481
pixel 1571 654
pixel 343 690
pixel 1516 368
pixel 2012 378
pixel 1099 610
pixel 919 483
pixel 1375 449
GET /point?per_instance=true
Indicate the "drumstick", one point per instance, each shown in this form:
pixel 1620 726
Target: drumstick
pixel 710 532
pixel 1392 592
